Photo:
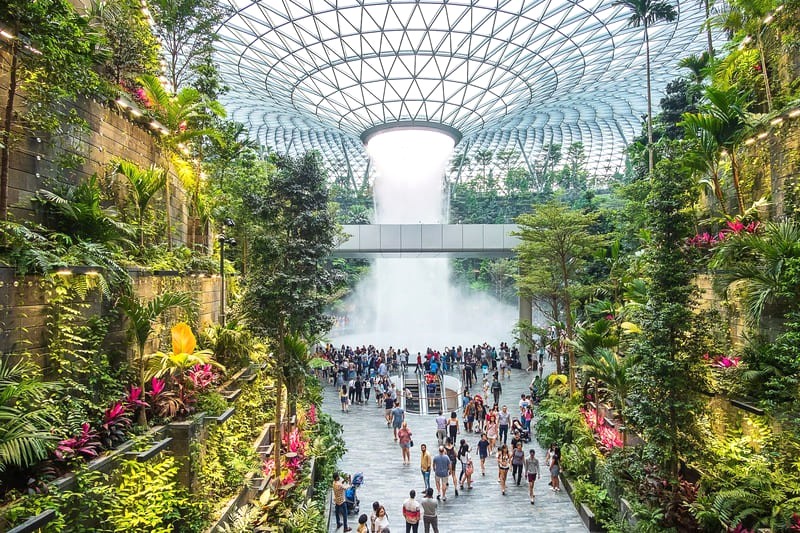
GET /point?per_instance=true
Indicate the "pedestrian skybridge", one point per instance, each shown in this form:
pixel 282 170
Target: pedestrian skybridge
pixel 428 240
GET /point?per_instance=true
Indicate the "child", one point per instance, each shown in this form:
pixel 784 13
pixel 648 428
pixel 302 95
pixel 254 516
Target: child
pixel 485 385
pixel 362 524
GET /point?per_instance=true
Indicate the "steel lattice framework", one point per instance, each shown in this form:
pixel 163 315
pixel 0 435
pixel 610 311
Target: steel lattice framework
pixel 508 75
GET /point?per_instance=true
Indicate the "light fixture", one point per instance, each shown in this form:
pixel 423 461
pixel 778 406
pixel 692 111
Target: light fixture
pixel 776 121
pixel 64 272
pixel 749 141
pixel 769 18
pixel 135 112
pixel 6 35
pixel 763 135
pixel 122 103
pixel 794 113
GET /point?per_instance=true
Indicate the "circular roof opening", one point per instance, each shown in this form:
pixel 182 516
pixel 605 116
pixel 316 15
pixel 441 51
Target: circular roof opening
pixel 411 125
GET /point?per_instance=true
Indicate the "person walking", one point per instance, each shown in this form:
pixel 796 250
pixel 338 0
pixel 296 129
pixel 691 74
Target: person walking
pixel 339 501
pixel 398 417
pixel 517 463
pixel 441 468
pixel 441 428
pixel 412 512
pixel 491 432
pixel 425 462
pixel 555 469
pixel 465 458
pixel 532 472
pixel 503 465
pixel 483 452
pixel 404 436
pixel 503 421
pixel 496 389
pixel 450 450
pixel 367 389
pixel 343 398
pixel 430 517
pixel 452 426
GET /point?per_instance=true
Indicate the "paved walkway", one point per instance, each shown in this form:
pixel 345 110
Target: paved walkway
pixel 372 450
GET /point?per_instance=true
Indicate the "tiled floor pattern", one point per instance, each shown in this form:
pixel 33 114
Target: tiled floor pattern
pixel 372 450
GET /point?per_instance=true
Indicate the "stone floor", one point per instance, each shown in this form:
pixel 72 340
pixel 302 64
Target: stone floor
pixel 372 450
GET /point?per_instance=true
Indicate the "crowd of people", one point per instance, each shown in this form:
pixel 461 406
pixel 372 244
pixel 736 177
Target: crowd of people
pixel 450 464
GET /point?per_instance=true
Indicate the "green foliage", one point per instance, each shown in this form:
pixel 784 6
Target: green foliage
pixel 129 48
pixel 51 67
pixel 772 374
pixel 596 498
pixel 25 421
pixel 78 211
pixel 186 31
pixel 662 404
pixel 91 377
pixel 763 268
pixel 232 344
pixel 143 186
pixel 226 456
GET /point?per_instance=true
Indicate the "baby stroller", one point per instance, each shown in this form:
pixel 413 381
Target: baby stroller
pixel 350 497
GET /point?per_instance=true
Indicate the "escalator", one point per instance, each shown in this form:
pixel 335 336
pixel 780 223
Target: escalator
pixel 412 404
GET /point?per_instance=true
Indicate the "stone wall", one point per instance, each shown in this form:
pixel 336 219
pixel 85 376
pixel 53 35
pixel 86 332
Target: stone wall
pixel 771 167
pixel 109 135
pixel 23 307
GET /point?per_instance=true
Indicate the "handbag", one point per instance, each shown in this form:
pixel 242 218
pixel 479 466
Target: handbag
pixel 411 444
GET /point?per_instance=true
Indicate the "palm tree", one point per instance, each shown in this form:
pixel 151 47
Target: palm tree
pixel 143 317
pixel 181 114
pixel 144 184
pixel 646 13
pixel 762 265
pixel 721 124
pixel 614 372
pixel 25 435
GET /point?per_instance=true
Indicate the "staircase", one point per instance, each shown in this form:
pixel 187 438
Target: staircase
pixel 412 404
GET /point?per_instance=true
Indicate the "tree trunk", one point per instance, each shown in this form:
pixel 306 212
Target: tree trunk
pixel 5 138
pixel 568 313
pixel 167 206
pixel 767 90
pixel 735 172
pixel 707 6
pixel 276 449
pixel 650 158
pixel 142 408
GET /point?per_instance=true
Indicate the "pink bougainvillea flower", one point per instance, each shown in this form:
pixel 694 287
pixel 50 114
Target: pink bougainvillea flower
pixel 312 414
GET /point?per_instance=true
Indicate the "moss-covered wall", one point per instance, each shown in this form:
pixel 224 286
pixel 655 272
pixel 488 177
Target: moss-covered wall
pixel 23 307
pixel 771 167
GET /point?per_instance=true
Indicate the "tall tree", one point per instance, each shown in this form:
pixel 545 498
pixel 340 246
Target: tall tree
pixel 187 31
pixel 646 13
pixel 663 400
pixel 50 59
pixel 556 244
pixel 130 48
pixel 290 282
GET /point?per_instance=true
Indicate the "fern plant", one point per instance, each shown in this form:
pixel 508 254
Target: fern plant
pixel 25 435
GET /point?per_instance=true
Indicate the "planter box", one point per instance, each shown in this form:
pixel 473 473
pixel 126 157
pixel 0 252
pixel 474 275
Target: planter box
pixel 586 514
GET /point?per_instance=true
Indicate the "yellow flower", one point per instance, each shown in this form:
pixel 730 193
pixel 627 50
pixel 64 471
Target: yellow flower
pixel 183 340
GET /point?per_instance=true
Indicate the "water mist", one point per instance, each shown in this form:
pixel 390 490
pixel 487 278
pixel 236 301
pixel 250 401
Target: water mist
pixel 410 302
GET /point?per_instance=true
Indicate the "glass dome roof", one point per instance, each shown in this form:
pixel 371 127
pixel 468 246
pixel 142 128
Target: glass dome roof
pixel 508 75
